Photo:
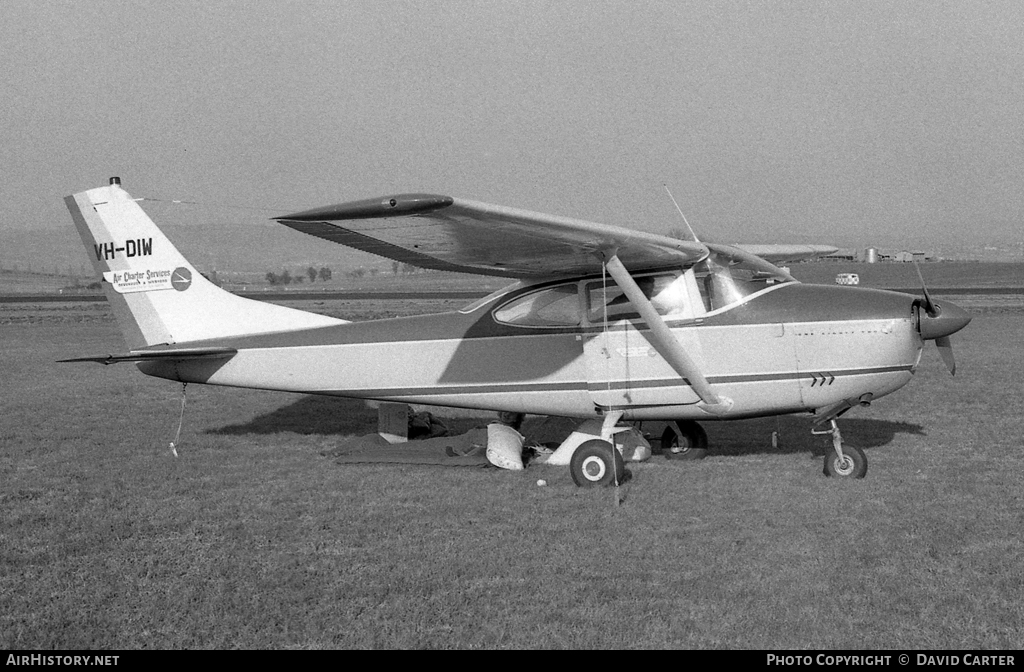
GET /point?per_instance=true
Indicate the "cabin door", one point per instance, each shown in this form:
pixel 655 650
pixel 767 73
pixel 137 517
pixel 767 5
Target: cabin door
pixel 625 371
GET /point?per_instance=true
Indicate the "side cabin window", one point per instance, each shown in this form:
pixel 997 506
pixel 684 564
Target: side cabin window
pixel 551 307
pixel 672 294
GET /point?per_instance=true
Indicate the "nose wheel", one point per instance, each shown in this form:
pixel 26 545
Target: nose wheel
pixel 844 460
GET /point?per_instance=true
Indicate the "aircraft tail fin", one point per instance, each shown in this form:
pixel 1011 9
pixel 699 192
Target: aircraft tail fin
pixel 157 296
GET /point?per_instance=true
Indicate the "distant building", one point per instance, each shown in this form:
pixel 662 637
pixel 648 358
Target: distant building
pixel 840 255
pixel 906 257
pixel 874 255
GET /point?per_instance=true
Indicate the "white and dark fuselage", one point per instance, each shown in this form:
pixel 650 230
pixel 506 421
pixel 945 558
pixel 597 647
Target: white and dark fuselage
pixel 606 320
pixel 787 348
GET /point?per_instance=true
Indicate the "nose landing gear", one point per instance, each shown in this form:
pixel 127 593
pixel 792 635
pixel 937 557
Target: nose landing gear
pixel 844 460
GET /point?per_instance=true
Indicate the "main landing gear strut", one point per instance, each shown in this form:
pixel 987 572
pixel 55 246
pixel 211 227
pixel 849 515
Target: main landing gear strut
pixel 844 460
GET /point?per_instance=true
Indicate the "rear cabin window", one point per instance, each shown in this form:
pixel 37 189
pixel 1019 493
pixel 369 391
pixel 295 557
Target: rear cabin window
pixel 553 307
pixel 479 303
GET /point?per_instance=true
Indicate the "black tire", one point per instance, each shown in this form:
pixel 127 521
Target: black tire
pixel 592 465
pixel 690 442
pixel 855 465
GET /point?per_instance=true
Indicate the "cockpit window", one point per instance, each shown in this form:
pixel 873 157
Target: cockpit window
pixel 668 293
pixel 724 279
pixel 552 307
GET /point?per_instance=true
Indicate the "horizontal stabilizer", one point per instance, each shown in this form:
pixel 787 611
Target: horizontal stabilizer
pixel 167 354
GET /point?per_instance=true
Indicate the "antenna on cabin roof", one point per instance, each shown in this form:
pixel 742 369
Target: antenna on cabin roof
pixel 680 211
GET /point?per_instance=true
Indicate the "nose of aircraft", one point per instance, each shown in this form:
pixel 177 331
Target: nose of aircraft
pixel 946 318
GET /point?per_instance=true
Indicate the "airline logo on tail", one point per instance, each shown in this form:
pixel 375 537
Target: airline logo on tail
pixel 149 280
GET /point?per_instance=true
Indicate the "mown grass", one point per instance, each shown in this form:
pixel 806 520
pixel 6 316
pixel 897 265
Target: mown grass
pixel 251 538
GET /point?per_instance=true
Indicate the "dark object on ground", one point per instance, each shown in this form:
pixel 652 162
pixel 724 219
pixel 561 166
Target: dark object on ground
pixel 425 426
pixel 465 450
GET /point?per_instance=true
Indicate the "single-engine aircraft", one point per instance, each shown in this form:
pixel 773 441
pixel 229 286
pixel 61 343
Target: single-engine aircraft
pixel 601 322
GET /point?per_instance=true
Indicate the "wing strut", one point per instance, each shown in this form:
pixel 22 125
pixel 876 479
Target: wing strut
pixel 664 342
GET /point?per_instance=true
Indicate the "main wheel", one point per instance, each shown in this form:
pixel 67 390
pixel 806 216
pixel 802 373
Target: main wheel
pixel 690 442
pixel 592 464
pixel 854 464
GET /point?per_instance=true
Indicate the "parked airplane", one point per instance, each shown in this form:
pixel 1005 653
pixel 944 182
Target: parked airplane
pixel 601 322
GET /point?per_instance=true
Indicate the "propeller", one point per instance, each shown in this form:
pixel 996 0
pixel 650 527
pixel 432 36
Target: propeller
pixel 929 306
pixel 939 326
pixel 946 352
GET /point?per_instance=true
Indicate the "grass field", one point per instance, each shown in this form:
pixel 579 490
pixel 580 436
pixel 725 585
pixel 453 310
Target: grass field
pixel 251 538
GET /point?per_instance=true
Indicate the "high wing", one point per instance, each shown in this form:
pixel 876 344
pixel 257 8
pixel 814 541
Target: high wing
pixel 446 233
pixel 453 234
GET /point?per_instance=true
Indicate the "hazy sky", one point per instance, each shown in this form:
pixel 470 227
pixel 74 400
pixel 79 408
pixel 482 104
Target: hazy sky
pixel 770 121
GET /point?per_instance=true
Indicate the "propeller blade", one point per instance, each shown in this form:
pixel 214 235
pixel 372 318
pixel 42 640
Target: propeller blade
pixel 946 352
pixel 929 307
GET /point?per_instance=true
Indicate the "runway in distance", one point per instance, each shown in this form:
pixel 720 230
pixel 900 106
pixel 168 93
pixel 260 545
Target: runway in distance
pixel 599 322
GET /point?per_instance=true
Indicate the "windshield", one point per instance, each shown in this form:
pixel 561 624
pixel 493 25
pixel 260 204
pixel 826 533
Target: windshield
pixel 728 275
